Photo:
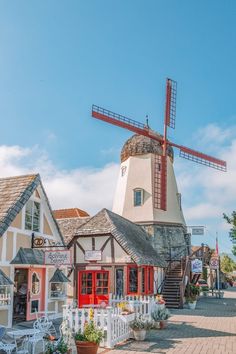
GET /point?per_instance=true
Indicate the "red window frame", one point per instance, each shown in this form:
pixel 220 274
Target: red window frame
pixel 148 280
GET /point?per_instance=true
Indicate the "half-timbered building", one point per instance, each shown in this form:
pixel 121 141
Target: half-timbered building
pixel 112 255
pixel 27 229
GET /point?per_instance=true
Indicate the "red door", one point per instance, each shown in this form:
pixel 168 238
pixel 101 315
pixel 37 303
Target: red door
pixel 93 287
pixel 36 292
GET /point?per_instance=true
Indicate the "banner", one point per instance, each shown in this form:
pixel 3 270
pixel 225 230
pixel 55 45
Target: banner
pixel 214 263
pixel 196 266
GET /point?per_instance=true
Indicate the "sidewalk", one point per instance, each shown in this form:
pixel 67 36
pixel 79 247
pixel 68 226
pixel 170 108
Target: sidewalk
pixel 211 329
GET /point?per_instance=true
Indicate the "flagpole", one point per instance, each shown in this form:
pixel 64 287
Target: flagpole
pixel 218 268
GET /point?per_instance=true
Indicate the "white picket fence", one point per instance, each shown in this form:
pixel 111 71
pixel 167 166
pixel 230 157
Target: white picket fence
pixel 115 325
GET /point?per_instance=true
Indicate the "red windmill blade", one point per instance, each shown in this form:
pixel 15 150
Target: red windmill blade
pixel 160 162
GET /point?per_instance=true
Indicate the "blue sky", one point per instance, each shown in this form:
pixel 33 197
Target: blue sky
pixel 59 57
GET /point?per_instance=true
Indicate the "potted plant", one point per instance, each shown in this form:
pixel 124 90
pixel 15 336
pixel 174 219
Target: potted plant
pixel 140 327
pixel 60 348
pixel 160 301
pixel 87 342
pixel 192 301
pixel 204 290
pixel 160 317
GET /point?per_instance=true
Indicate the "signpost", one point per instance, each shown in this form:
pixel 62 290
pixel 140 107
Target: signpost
pixel 197 230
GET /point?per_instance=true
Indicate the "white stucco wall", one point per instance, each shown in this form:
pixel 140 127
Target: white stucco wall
pixel 139 174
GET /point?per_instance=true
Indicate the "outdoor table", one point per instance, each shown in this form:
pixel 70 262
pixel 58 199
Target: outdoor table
pixel 45 314
pixel 18 333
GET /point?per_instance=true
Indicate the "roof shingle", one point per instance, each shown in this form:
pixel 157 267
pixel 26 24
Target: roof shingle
pixel 132 237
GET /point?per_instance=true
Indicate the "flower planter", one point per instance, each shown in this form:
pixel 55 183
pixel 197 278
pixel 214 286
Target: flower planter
pixel 140 334
pixel 86 347
pixel 163 324
pixel 192 305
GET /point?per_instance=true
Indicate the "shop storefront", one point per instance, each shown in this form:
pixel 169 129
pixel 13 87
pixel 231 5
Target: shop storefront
pixel 113 256
pixel 27 230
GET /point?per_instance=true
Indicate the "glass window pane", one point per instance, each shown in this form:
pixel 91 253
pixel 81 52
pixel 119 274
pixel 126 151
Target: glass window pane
pixel 138 197
pixel 133 280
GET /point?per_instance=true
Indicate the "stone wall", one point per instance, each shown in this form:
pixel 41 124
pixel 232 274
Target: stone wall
pixel 170 241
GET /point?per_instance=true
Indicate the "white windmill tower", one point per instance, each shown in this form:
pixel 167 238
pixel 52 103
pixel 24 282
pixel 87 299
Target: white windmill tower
pixel 146 191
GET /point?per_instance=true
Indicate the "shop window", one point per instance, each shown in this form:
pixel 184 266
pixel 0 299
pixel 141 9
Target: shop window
pixel 35 284
pixel 132 280
pixel 138 197
pixel 119 282
pixel 5 295
pixel 58 290
pixel 150 280
pixel 32 216
pixel 34 306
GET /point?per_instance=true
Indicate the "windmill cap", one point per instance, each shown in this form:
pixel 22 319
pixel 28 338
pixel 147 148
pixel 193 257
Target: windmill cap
pixel 142 145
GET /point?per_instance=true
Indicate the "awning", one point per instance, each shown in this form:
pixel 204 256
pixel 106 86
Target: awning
pixel 29 256
pixel 59 277
pixel 4 280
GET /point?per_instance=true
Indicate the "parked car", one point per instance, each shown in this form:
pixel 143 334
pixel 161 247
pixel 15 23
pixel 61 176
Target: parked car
pixel 202 283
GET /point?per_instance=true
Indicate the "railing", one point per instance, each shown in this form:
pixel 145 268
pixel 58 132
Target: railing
pixel 185 279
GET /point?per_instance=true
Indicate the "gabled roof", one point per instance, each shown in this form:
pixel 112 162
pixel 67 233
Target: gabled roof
pixel 131 237
pixel 4 280
pixel 14 193
pixel 29 256
pixel 69 213
pixel 59 277
pixel 68 227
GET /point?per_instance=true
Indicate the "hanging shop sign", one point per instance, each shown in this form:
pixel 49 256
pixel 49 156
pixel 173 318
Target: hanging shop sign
pixel 196 266
pixel 214 263
pixel 93 255
pixel 57 258
pixel 197 230
pixel 38 241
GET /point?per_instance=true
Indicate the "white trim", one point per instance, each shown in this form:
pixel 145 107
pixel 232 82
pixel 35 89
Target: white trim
pixel 4 246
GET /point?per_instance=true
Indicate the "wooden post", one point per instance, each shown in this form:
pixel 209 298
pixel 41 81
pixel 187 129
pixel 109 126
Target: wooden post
pixel 109 328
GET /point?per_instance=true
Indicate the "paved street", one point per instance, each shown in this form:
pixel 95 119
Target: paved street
pixel 211 328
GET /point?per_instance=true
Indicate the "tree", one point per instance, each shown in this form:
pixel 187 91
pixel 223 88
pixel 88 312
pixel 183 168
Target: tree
pixel 227 265
pixel 232 221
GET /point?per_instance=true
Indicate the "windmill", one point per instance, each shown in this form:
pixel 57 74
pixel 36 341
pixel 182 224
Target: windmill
pixel 160 165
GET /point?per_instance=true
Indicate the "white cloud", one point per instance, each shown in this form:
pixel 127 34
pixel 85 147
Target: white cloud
pixel 85 188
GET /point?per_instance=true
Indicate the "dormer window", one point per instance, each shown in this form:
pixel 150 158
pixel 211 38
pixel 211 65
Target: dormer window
pixel 138 197
pixel 32 216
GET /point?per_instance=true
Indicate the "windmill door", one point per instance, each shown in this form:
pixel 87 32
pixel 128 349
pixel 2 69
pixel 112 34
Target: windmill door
pixel 93 287
pixel 36 292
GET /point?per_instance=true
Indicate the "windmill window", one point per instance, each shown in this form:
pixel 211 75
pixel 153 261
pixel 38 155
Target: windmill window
pixel 138 197
pixel 32 216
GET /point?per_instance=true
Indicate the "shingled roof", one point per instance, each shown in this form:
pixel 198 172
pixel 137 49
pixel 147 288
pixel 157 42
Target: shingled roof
pixel 69 213
pixel 68 227
pixel 14 193
pixel 133 238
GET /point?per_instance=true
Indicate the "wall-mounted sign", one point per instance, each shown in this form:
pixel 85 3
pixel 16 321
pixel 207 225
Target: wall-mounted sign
pixel 93 255
pixel 38 241
pixel 57 258
pixel 197 230
pixel 214 263
pixel 196 266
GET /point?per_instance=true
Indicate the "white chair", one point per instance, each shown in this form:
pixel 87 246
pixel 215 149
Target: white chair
pixel 34 340
pixel 7 347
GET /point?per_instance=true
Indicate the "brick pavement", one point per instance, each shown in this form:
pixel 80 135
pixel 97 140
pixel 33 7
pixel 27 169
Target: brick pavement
pixel 210 329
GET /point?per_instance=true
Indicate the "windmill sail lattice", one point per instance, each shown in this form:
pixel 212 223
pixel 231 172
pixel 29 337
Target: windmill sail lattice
pixel 160 161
